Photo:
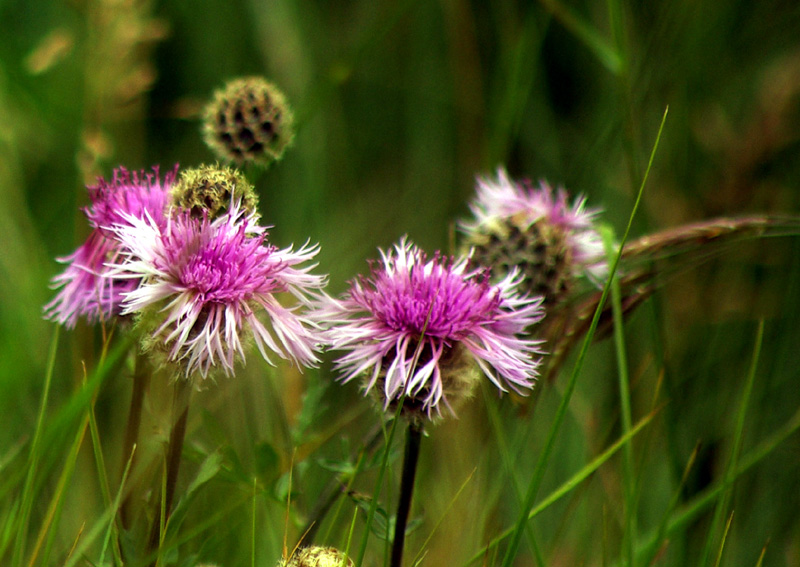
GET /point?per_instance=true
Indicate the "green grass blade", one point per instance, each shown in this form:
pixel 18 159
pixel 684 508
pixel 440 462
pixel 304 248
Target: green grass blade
pixel 103 523
pixel 662 526
pixel 722 503
pixel 378 485
pixel 623 380
pixel 567 486
pixel 54 509
pixel 350 531
pixel 33 457
pixel 761 557
pixel 102 473
pixel 724 538
pixel 602 50
pixel 115 508
pixel 253 522
pixel 689 513
pixel 544 457
pixel 418 556
pixel 67 417
pixel 359 464
pixel 508 462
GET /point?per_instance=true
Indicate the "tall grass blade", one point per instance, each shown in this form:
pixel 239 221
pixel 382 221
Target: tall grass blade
pixel 567 486
pixel 729 478
pixel 54 509
pixel 682 519
pixel 761 556
pixel 623 380
pixel 662 526
pixel 104 523
pixel 724 538
pixel 544 457
pixel 102 473
pixel 418 556
pixel 600 48
pixel 379 484
pixel 33 458
pixel 115 507
pixel 508 461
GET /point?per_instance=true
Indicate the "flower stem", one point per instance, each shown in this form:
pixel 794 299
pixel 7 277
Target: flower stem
pixel 180 408
pixel 141 379
pixel 406 490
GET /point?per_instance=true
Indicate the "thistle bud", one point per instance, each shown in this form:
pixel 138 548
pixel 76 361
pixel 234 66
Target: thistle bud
pixel 317 557
pixel 212 189
pixel 551 243
pixel 248 121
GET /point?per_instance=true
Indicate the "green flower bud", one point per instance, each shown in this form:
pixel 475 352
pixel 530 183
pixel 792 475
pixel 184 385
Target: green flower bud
pixel 316 556
pixel 212 188
pixel 248 121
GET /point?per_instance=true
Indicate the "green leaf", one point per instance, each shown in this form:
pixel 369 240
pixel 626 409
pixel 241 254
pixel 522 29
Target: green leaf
pixel 267 462
pixel 208 470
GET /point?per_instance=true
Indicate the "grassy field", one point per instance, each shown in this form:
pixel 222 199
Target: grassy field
pixel 672 441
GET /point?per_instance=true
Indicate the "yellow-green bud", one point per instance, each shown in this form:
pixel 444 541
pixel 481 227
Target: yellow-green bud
pixel 212 188
pixel 248 121
pixel 315 556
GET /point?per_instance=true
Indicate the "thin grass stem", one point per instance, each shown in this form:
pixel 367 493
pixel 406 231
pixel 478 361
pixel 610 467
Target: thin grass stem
pixel 538 473
pixel 623 380
pixel 421 551
pixel 689 513
pixel 33 458
pixel 53 510
pixel 374 503
pixel 729 478
pixel 505 453
pixel 566 487
pixel 333 490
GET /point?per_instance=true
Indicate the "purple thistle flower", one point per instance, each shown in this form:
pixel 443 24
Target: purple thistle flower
pixel 204 285
pixel 413 318
pixel 504 199
pixel 535 231
pixel 85 288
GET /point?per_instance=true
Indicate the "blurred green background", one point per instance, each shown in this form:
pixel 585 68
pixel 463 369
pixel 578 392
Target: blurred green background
pixel 398 106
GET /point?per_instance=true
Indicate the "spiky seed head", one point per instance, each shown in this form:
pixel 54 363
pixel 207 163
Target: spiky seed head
pixel 537 231
pixel 541 251
pixel 210 190
pixel 248 121
pixel 316 556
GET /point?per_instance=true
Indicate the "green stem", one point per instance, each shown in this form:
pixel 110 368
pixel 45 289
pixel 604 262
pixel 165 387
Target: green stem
pixel 410 460
pixel 180 408
pixel 141 379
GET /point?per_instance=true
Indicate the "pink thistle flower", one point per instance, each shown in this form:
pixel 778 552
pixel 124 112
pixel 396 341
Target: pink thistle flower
pixel 205 284
pixel 85 288
pixel 415 321
pixel 536 230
